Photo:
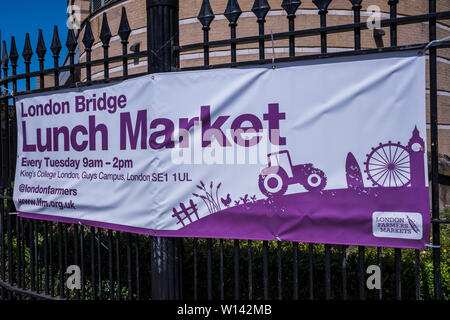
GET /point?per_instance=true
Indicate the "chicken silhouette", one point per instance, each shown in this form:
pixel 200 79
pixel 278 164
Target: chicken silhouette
pixel 226 202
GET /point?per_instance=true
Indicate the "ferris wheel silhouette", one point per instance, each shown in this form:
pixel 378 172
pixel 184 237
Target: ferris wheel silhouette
pixel 388 165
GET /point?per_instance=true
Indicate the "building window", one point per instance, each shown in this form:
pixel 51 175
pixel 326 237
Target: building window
pixel 97 4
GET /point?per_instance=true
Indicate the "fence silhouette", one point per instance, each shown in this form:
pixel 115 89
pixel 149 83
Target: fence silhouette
pixel 34 254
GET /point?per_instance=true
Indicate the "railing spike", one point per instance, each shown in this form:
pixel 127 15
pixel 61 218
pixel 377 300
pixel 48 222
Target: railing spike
pixel 322 5
pixel 27 52
pixel 41 49
pixel 13 55
pixel 291 6
pixel 105 33
pixel 124 27
pixel 356 3
pixel 56 43
pixel 233 11
pixel 5 58
pixel 88 38
pixel 260 9
pixel 206 15
pixel 71 42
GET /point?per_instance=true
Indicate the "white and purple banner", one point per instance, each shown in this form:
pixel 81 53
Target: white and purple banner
pixel 330 151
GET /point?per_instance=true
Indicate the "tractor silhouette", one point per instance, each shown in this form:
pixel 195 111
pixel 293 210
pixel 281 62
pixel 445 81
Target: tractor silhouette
pixel 275 179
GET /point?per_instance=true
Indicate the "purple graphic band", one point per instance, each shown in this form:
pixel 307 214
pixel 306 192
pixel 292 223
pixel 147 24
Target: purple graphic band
pixel 307 217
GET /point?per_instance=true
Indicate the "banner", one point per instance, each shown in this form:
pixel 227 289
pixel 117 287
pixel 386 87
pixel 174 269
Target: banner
pixel 330 151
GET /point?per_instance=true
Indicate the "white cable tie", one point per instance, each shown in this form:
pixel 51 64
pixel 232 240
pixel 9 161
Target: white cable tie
pixel 273 49
pixel 421 52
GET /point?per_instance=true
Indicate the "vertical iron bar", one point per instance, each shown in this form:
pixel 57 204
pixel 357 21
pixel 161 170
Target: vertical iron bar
pixel 327 272
pixel 56 65
pixel 6 173
pixel 236 269
pixel 417 272
pixel 13 56
pixel 295 270
pixel 92 247
pixel 3 182
pixel 18 253
pixel 393 26
pixel 9 230
pixel 176 258
pixel 41 57
pixel 110 265
pixel 206 47
pixel 398 273
pixel 195 269
pixel 106 63
pixel 27 54
pixel 233 44
pixel 119 286
pixel 170 268
pixel 291 38
pixel 162 20
pixel 222 289
pixel 344 271
pixel 22 253
pixel 180 269
pixel 71 44
pixel 66 252
pixel 88 41
pixel 36 255
pixel 2 190
pixel 209 267
pixel 50 248
pixel 311 283
pixel 380 293
pixel 88 65
pixel 32 271
pixel 99 263
pixel 357 19
pixel 162 39
pixel 266 269
pixel 129 277
pixel 46 266
pixel 279 275
pixel 125 59
pixel 323 34
pixel 60 261
pixel 105 36
pixel 250 270
pixel 75 253
pixel 261 41
pixel 83 273
pixel 361 253
pixel 434 156
pixel 138 289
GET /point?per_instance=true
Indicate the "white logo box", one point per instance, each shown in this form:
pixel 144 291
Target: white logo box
pixel 400 225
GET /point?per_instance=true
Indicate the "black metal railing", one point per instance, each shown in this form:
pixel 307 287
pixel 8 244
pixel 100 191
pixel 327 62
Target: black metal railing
pixel 35 254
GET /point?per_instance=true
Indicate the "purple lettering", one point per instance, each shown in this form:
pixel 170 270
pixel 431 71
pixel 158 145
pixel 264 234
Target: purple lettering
pixel 126 127
pixel 273 117
pixel 73 138
pixel 93 129
pixel 167 133
pixel 217 132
